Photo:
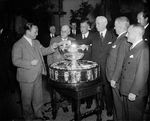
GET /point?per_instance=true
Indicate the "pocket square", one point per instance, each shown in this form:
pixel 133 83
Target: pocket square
pixel 114 46
pixel 131 56
pixel 109 43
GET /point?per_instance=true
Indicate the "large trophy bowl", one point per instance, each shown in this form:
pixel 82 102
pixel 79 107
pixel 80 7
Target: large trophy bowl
pixel 72 52
pixel 73 69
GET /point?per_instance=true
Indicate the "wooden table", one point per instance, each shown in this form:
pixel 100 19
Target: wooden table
pixel 77 92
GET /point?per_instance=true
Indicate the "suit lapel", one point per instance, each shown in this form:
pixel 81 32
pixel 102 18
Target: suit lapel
pixel 135 49
pixel 38 51
pixel 105 40
pixel 29 47
pixel 119 39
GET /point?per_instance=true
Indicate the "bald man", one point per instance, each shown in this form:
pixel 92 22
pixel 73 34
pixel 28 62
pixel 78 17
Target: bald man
pixel 101 44
pixel 64 36
pixel 56 56
pixel 115 61
pixel 133 80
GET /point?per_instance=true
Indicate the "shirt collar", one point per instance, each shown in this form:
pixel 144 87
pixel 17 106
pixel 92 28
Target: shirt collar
pixel 134 44
pixel 86 34
pixel 64 39
pixel 146 26
pixel 74 31
pixel 28 39
pixel 121 34
pixel 52 35
pixel 103 32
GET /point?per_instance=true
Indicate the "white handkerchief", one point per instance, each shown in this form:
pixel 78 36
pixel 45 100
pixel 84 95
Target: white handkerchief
pixel 145 39
pixel 131 56
pixel 114 46
pixel 109 43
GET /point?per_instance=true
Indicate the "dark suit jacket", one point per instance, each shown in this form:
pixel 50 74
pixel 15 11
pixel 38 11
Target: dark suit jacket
pixel 22 55
pixel 101 48
pixel 45 39
pixel 86 41
pixel 115 60
pixel 56 56
pixel 100 51
pixel 135 71
pixel 74 35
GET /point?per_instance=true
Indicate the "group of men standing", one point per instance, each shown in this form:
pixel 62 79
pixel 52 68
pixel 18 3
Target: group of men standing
pixel 123 61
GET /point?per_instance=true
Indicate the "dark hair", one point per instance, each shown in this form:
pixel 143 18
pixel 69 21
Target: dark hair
pixel 50 25
pixel 28 26
pixel 86 20
pixel 145 13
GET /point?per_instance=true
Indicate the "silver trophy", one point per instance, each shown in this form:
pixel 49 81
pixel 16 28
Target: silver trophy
pixel 72 52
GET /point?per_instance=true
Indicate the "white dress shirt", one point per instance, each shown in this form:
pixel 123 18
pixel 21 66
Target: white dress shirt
pixel 85 35
pixel 103 33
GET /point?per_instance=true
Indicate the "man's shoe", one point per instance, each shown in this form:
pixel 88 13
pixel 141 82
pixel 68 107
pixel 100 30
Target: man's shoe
pixel 65 109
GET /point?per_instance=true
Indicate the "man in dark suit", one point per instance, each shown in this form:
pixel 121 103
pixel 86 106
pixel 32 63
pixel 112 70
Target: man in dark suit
pixel 143 19
pixel 74 30
pixel 119 50
pixel 134 75
pixel 27 55
pixel 100 50
pixel 85 38
pixel 47 36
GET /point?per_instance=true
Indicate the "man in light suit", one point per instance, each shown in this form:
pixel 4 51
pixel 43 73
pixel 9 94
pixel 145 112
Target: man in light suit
pixel 64 37
pixel 101 45
pixel 134 75
pixel 27 55
pixel 115 62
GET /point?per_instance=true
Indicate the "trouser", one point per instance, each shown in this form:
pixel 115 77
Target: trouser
pixel 108 97
pixel 134 110
pixel 107 90
pixel 118 114
pixel 31 95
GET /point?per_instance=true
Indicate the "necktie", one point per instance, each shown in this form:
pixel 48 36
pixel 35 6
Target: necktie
pixel 83 36
pixel 101 35
pixel 52 35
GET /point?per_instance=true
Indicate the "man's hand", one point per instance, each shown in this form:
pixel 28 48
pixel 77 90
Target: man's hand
pixel 54 45
pixel 131 96
pixel 113 83
pixel 34 62
pixel 84 47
